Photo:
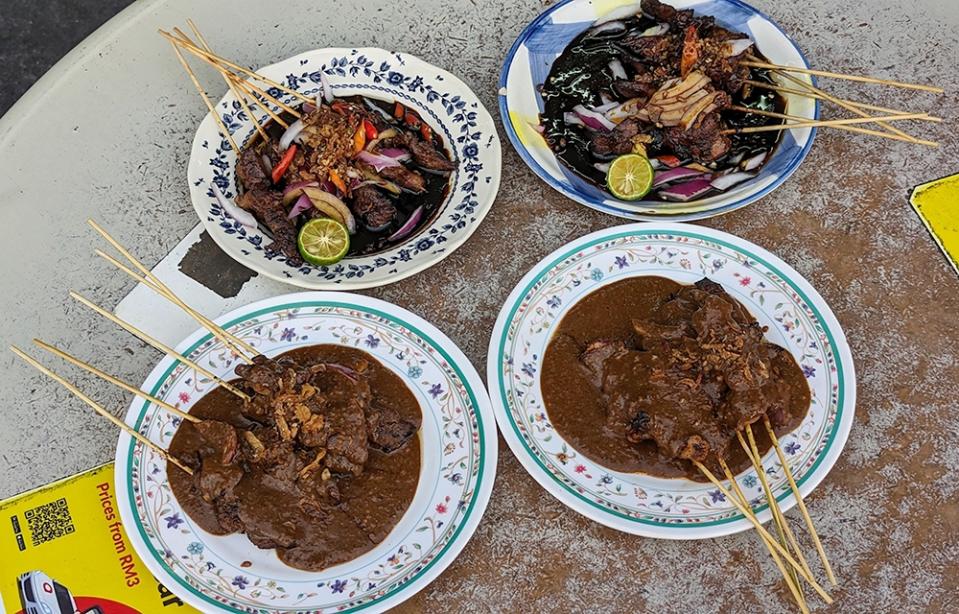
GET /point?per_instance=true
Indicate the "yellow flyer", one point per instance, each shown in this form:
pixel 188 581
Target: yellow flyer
pixel 63 550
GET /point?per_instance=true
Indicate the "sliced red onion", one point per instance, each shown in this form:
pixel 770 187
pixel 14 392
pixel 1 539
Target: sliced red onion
pixel 735 159
pixel 674 174
pixel 572 119
pixel 738 46
pixel 618 13
pixel 395 153
pixel 243 217
pixel 594 120
pixel 609 27
pixel 616 67
pixel 602 167
pixel 377 161
pixel 308 107
pixel 754 162
pixel 606 99
pixel 687 191
pixel 302 204
pixel 656 30
pixel 293 190
pixel 325 90
pixel 603 108
pixel 724 182
pixel 291 133
pixel 408 227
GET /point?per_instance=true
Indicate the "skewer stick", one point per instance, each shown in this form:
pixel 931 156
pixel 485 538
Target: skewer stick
pixel 99 409
pixel 209 105
pixel 807 94
pixel 230 340
pixel 752 451
pixel 115 381
pixel 836 75
pixel 788 574
pixel 212 57
pixel 828 122
pixel 834 100
pixel 800 502
pixel 165 292
pixel 229 82
pixel 158 344
pixel 244 86
pixel 747 513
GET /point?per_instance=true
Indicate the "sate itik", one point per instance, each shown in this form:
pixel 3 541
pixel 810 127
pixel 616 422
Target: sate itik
pixel 648 375
pixel 320 464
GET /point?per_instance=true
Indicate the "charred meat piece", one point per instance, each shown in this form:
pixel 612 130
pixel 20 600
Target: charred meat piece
pixel 638 87
pixel 704 141
pixel 388 431
pixel 622 139
pixel 667 14
pixel 656 51
pixel 425 155
pixel 344 407
pixel 214 479
pixel 250 171
pixel 267 206
pixel 596 354
pixel 221 439
pixel 375 210
pixel 405 178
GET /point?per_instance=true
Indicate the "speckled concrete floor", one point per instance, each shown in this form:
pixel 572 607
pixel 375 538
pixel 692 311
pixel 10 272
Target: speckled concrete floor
pixel 887 512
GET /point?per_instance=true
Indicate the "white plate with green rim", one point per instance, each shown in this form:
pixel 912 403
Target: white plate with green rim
pixel 798 320
pixel 458 443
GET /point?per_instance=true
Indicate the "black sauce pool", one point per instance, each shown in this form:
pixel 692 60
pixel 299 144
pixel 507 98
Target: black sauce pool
pixel 582 72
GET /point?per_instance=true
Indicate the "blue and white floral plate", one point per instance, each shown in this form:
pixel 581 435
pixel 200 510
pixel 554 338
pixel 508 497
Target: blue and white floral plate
pixel 798 320
pixel 229 573
pixel 450 108
pixel 528 64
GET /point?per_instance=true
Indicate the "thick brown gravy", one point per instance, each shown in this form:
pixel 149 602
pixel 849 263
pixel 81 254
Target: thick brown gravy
pixel 578 410
pixel 369 505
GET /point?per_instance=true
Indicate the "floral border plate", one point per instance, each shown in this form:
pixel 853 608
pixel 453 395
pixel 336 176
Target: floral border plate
pixel 442 100
pixel 797 317
pixel 528 63
pixel 228 573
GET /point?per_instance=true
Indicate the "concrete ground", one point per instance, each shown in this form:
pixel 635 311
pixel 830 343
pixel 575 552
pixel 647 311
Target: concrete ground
pixel 108 135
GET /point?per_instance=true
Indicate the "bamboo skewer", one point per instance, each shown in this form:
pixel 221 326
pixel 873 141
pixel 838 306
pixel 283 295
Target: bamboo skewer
pixel 196 315
pixel 752 450
pixel 807 94
pixel 789 575
pixel 879 133
pixel 825 123
pixel 230 340
pixel 115 381
pixel 836 75
pixel 229 82
pixel 99 409
pixel 799 501
pixel 212 57
pixel 209 105
pixel 158 345
pixel 763 532
pixel 245 86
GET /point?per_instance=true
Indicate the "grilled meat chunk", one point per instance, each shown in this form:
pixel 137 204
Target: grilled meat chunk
pixel 267 206
pixel 703 141
pixel 405 178
pixel 250 171
pixel 375 210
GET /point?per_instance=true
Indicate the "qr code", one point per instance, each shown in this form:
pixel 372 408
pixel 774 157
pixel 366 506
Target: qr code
pixel 49 521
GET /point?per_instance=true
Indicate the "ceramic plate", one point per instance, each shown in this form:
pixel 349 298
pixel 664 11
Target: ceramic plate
pixel 528 64
pixel 443 101
pixel 458 443
pixel 797 317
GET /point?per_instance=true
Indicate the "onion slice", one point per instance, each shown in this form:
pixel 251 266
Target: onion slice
pixel 594 120
pixel 332 206
pixel 616 67
pixel 395 153
pixel 724 182
pixel 292 191
pixel 754 162
pixel 610 26
pixel 407 226
pixel 687 191
pixel 243 217
pixel 618 13
pixel 738 46
pixel 377 161
pixel 291 133
pixel 325 89
pixel 658 29
pixel 674 174
pixel 303 203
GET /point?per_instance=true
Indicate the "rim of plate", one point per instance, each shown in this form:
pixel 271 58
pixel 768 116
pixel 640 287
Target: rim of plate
pixel 427 569
pixel 680 215
pixel 404 259
pixel 569 496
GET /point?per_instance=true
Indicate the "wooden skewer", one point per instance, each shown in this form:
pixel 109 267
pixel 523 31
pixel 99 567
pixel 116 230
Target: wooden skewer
pixel 196 315
pixel 747 513
pixel 115 381
pixel 99 409
pixel 244 86
pixel 800 502
pixel 824 123
pixel 209 105
pixel 230 340
pixel 158 345
pixel 229 82
pixel 217 59
pixel 752 451
pixel 788 574
pixel 807 94
pixel 836 75
pixel 834 100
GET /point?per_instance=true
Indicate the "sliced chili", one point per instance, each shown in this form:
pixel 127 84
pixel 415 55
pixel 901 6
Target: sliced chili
pixel 284 163
pixel 371 132
pixel 337 181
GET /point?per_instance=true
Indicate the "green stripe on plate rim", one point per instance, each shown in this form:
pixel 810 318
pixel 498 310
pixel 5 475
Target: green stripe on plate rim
pixel 639 233
pixel 334 304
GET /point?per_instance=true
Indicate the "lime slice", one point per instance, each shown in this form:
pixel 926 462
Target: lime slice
pixel 630 177
pixel 323 241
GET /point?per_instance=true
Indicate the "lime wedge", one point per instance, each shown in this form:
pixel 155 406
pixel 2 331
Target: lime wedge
pixel 323 241
pixel 630 177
